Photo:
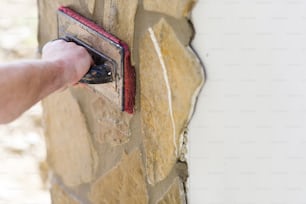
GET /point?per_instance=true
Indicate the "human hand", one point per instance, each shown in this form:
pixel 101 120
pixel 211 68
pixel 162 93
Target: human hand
pixel 73 60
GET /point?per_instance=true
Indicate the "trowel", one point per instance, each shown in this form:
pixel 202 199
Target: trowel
pixel 112 74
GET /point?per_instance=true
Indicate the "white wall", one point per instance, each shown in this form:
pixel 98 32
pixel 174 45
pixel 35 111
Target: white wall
pixel 247 140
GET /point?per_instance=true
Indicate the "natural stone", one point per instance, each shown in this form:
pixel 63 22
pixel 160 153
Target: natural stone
pixel 157 117
pixel 112 126
pixel 185 75
pixel 175 8
pixel 119 16
pixel 59 196
pixel 70 150
pixel 170 78
pixel 48 17
pixel 81 125
pixel 106 122
pixel 175 194
pixel 90 5
pixel 124 183
pixel 47 22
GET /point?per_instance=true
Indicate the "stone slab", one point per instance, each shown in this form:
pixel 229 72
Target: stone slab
pixel 70 150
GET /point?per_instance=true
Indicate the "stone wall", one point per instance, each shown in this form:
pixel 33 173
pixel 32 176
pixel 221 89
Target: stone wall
pixel 98 154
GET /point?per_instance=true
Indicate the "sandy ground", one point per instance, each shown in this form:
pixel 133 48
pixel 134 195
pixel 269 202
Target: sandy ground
pixel 22 148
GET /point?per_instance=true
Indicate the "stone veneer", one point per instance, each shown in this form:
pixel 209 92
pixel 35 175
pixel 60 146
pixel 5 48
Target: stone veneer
pixel 98 154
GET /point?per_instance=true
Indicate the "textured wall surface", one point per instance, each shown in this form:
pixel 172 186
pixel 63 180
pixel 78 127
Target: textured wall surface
pixel 97 153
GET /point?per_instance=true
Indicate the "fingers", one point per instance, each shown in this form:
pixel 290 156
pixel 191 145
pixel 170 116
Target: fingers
pixel 74 59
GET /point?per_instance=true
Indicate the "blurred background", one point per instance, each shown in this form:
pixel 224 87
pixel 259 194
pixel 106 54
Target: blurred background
pixel 22 147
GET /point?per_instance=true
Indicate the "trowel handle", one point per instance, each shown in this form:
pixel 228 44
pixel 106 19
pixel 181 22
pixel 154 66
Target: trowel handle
pixel 103 68
pixel 98 74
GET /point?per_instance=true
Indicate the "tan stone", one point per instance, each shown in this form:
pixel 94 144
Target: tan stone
pixel 124 183
pixel 175 194
pixel 48 16
pixel 47 21
pixel 70 150
pixel 112 125
pixel 170 78
pixel 158 131
pixel 185 75
pixel 91 5
pixel 59 196
pixel 106 122
pixel 175 8
pixel 119 16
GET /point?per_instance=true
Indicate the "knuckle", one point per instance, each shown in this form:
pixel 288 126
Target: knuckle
pixel 82 50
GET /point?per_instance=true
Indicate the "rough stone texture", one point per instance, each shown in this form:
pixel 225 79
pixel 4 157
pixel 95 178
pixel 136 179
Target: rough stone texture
pixel 70 151
pixel 106 122
pixel 185 75
pixel 125 183
pixel 119 18
pixel 95 148
pixel 59 196
pixel 175 194
pixel 170 77
pixel 48 17
pixel 175 8
pixel 158 131
pixel 91 5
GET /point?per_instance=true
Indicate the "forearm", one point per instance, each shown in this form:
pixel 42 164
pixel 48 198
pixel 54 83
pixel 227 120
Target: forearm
pixel 24 83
